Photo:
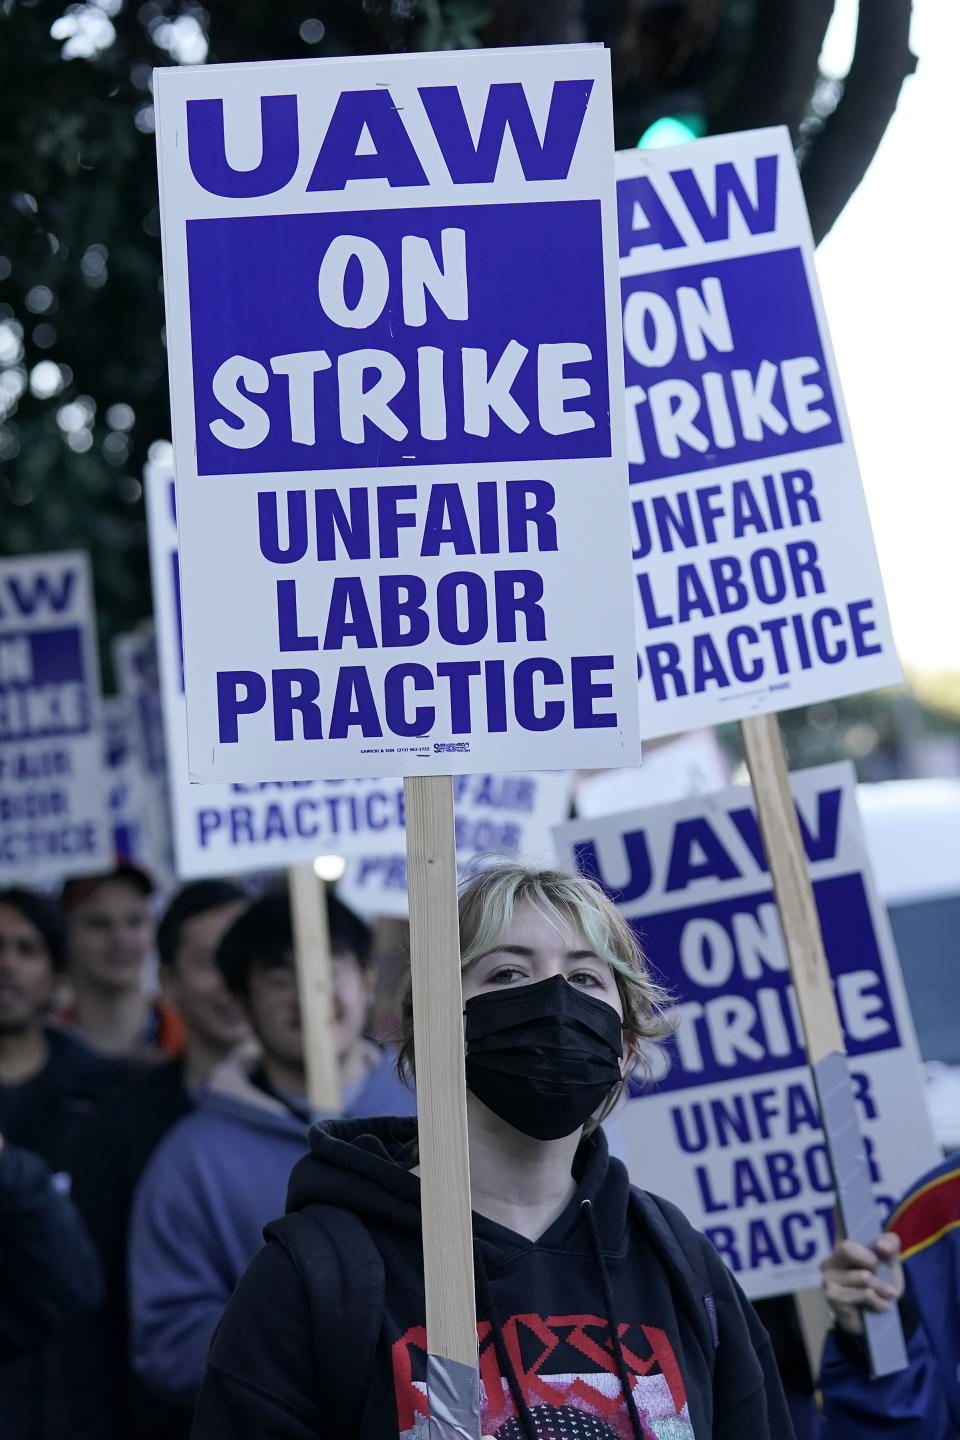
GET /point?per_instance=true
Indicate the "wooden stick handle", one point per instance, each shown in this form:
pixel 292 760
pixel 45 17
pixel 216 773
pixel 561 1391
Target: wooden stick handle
pixel 441 1086
pixel 826 1049
pixel 311 938
pixel 799 920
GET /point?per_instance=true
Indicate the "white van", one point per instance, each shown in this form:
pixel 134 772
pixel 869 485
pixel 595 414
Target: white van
pixel 913 836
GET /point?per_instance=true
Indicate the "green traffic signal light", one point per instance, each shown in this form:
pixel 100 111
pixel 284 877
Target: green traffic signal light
pixel 672 130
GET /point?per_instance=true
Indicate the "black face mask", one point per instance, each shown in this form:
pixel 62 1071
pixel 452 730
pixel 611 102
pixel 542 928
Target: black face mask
pixel 543 1057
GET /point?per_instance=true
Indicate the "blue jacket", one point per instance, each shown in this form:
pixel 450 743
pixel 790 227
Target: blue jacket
pixel 218 1177
pixel 923 1401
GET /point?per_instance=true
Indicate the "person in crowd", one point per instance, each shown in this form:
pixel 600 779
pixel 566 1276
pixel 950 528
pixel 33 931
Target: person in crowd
pixel 48 1277
pixel 221 1174
pixel 51 1088
pixel 111 1404
pixel 600 1311
pixel 921 1246
pixel 110 939
pixel 51 1083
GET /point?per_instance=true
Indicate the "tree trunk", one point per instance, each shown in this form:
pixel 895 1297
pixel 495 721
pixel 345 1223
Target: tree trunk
pixel 781 70
pixel 840 155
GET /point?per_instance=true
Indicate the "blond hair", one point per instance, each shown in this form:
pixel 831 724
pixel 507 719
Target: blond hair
pixel 488 899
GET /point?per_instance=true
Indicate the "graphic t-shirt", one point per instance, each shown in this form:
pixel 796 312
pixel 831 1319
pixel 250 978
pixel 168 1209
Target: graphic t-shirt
pixel 550 1309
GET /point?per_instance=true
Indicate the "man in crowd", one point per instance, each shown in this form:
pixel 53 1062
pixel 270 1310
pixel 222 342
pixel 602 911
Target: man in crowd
pixel 111 1403
pixel 51 1086
pixel 110 936
pixel 922 1248
pixel 222 1173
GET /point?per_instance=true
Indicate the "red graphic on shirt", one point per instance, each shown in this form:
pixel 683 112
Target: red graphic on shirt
pixel 538 1338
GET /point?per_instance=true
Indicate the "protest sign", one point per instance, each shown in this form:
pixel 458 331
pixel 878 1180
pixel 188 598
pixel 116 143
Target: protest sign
pixel 53 782
pixel 136 670
pixel 500 814
pixel 732 1132
pixel 127 797
pixel 687 765
pixel 757 586
pixel 403 515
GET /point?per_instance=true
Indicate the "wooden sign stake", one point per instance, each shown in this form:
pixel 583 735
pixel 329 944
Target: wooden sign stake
pixel 311 938
pixel 826 1052
pixel 452 1381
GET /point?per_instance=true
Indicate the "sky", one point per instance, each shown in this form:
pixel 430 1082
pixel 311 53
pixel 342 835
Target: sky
pixel 889 274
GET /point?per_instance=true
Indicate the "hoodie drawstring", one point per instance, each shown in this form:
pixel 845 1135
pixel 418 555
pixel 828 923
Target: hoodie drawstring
pixel 586 1208
pixel 504 1361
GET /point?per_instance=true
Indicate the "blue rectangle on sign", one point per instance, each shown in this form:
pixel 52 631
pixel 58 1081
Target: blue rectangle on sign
pixel 49 656
pixel 398 337
pixel 724 964
pixel 43 685
pixel 723 364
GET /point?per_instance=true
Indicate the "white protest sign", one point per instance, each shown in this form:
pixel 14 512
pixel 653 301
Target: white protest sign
pixel 126 791
pixel 732 1133
pixel 394 340
pixel 689 765
pixel 757 584
pixel 53 782
pixel 136 670
pixel 500 814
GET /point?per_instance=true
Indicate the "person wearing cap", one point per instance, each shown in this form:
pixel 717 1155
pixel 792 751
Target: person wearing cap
pixel 110 937
pixel 221 1173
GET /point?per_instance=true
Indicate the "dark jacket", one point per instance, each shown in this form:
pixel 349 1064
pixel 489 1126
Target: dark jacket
pixel 48 1276
pixel 48 1269
pixel 51 1115
pixel 110 1402
pixel 619 1298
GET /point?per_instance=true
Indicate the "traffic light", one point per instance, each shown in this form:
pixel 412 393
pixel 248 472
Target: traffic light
pixel 673 130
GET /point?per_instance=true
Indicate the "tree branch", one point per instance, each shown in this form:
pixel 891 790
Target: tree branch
pixel 840 155
pixel 780 72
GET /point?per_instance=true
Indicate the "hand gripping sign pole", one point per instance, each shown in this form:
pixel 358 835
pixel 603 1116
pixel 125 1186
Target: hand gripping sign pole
pixel 818 1012
pixel 311 941
pixel 452 1377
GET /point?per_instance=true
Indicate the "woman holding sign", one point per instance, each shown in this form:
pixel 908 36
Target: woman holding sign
pixel 600 1311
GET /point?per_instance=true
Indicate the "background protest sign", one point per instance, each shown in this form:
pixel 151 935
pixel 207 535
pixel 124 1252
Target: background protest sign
pixel 393 328
pixel 732 1132
pixel 136 670
pixel 757 585
pixel 127 797
pixel 505 814
pixel 53 782
pixel 691 764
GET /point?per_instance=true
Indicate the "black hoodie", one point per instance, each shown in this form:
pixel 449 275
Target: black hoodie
pixel 325 1334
